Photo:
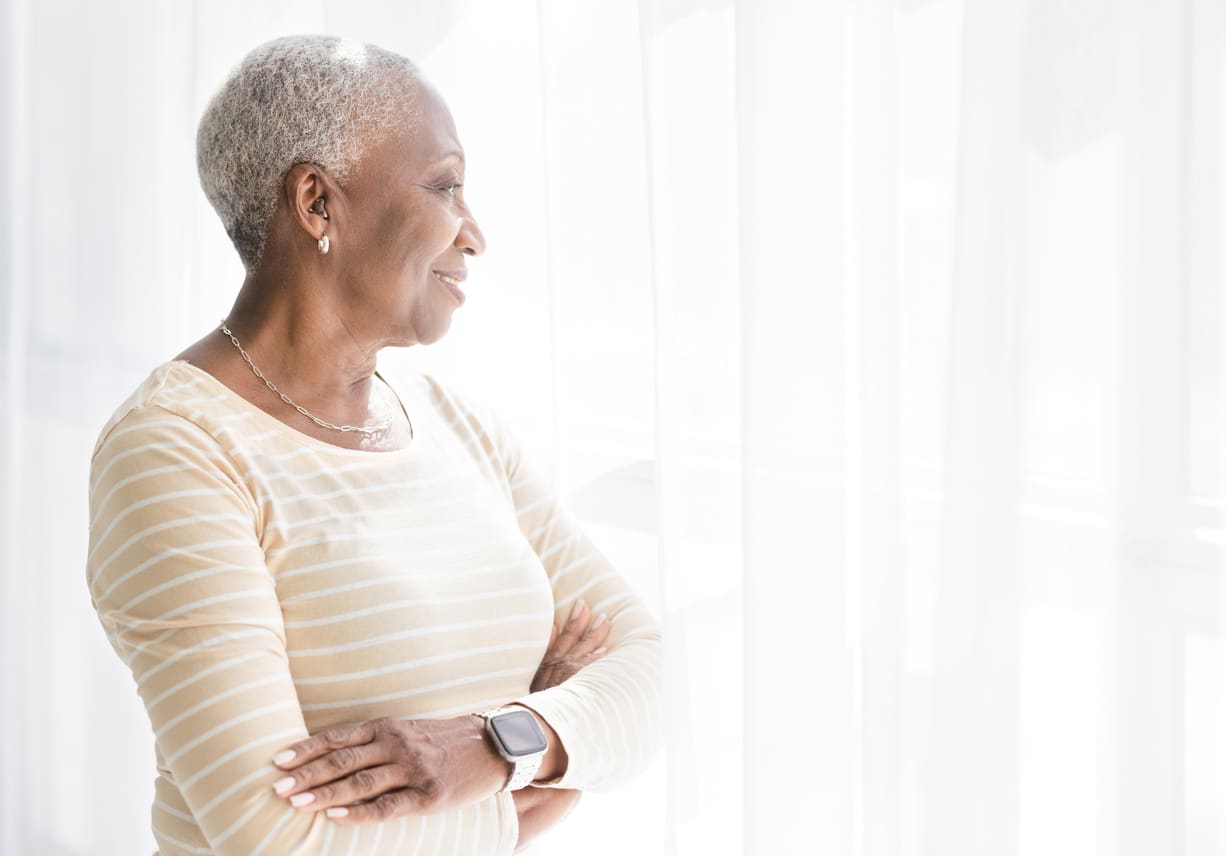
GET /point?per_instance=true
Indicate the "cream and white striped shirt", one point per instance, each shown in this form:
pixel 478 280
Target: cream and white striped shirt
pixel 263 585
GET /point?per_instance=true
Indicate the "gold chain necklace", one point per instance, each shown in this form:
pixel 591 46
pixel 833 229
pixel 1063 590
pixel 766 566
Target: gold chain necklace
pixel 364 430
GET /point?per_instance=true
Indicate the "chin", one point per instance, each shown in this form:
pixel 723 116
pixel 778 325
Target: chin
pixel 434 335
pixel 411 333
pixel 410 330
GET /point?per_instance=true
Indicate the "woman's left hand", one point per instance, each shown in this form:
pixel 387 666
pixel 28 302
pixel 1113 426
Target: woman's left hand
pixel 417 766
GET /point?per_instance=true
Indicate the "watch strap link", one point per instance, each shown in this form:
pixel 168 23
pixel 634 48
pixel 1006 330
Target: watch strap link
pixel 524 773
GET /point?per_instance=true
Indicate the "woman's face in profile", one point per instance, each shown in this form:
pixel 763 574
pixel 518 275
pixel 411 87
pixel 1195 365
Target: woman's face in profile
pixel 412 232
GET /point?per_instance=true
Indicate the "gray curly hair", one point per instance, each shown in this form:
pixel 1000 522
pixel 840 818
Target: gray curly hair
pixel 317 99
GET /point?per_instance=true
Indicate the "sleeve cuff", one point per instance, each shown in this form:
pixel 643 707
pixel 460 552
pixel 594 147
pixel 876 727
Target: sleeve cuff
pixel 550 708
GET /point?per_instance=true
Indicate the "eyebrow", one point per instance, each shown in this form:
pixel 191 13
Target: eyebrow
pixel 453 153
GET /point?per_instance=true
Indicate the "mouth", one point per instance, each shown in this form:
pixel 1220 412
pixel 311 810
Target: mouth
pixel 452 280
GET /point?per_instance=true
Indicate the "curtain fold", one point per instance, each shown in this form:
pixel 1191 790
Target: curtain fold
pixel 880 343
pixel 1155 129
pixel 793 126
pixel 876 501
pixel 973 785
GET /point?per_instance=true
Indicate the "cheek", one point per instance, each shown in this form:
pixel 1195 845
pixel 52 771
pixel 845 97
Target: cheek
pixel 393 236
pixel 408 240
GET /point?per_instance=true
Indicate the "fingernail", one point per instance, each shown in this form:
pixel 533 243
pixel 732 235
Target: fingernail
pixel 283 757
pixel 299 800
pixel 284 785
pixel 574 613
pixel 601 620
pixel 337 811
pixel 600 650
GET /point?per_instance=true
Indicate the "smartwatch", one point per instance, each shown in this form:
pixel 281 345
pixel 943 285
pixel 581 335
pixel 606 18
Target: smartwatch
pixel 517 736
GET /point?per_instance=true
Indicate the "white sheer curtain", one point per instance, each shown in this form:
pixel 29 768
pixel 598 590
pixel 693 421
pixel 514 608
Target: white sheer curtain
pixel 880 343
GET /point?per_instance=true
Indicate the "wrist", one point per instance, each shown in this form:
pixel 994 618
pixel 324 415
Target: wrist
pixel 497 768
pixel 554 762
pixel 515 734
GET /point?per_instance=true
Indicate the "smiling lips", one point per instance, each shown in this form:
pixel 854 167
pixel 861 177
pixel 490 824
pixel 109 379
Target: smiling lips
pixel 452 279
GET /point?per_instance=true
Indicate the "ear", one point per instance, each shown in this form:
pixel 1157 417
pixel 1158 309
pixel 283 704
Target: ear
pixel 305 185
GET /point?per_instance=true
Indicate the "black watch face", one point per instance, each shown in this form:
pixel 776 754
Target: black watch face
pixel 518 733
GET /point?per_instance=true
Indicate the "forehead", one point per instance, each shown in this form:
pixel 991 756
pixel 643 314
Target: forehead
pixel 432 136
pixel 421 147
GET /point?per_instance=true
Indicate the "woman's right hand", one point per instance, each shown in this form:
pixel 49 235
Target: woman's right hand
pixel 579 643
pixel 539 809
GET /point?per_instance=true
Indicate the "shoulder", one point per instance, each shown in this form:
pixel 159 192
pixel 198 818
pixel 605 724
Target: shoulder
pixel 154 444
pixel 166 406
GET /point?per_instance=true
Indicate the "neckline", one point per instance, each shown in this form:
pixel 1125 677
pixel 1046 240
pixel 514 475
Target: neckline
pixel 298 436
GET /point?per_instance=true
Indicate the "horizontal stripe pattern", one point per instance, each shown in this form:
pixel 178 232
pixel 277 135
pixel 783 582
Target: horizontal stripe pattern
pixel 263 585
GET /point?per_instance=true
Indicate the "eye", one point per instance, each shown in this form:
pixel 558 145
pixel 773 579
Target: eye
pixel 450 187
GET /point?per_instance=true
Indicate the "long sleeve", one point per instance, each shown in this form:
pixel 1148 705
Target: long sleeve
pixel 179 580
pixel 608 715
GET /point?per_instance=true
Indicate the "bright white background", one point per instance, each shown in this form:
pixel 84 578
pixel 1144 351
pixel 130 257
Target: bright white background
pixel 879 343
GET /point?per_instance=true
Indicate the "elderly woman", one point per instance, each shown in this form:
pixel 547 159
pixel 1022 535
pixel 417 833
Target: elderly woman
pixel 284 542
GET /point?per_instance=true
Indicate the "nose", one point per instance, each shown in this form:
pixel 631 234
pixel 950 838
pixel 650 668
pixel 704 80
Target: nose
pixel 470 239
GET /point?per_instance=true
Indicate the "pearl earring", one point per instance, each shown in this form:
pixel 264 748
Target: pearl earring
pixel 324 244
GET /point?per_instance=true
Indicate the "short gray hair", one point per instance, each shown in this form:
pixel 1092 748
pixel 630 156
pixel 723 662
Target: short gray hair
pixel 316 99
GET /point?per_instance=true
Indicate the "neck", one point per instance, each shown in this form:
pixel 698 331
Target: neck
pixel 303 344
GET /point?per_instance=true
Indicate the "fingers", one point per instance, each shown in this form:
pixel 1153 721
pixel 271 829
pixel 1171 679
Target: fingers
pixel 587 638
pixel 579 636
pixel 594 638
pixel 391 804
pixel 315 776
pixel 574 628
pixel 361 785
pixel 325 741
pixel 579 643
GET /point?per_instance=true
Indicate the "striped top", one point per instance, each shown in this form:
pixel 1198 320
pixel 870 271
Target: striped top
pixel 262 585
